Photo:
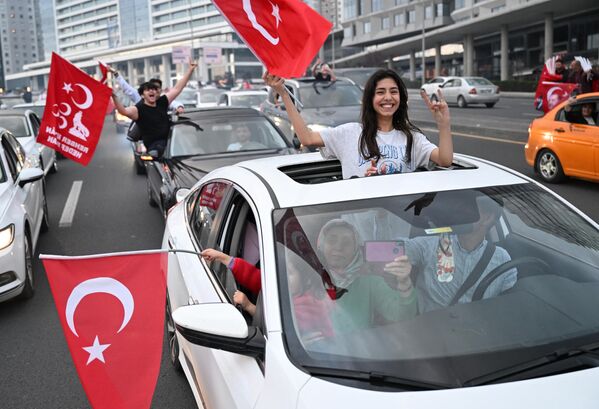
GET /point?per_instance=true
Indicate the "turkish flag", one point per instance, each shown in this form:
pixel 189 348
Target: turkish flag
pixel 104 71
pixel 75 109
pixel 111 308
pixel 284 34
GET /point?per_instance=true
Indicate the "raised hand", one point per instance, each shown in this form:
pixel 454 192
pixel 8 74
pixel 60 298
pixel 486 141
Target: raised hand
pixel 274 81
pixel 372 169
pixel 439 108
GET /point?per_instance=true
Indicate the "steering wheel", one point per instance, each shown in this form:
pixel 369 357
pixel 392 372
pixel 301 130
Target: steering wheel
pixel 499 270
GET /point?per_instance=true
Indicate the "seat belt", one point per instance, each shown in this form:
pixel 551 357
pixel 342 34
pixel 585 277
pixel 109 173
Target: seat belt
pixel 476 273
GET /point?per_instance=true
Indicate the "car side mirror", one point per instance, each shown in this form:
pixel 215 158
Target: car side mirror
pixel 219 326
pixel 29 175
pixel 181 193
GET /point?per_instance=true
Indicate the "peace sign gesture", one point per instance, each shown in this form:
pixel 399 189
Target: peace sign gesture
pixel 439 108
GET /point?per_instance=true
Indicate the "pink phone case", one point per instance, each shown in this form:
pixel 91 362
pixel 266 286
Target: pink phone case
pixel 383 251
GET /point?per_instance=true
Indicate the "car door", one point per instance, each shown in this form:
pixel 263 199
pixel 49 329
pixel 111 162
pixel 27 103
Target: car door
pixel 451 90
pixel 576 146
pixel 229 380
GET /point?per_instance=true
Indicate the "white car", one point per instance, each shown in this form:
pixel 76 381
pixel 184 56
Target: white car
pixel 25 125
pixel 431 86
pixel 23 215
pixel 330 329
pixel 208 97
pixel 243 98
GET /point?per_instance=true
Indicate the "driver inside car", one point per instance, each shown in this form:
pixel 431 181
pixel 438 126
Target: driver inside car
pixel 446 261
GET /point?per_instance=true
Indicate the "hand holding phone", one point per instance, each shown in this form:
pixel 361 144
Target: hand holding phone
pixel 383 251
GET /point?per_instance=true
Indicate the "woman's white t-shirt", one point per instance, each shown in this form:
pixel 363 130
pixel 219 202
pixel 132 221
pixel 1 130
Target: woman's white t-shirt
pixel 341 142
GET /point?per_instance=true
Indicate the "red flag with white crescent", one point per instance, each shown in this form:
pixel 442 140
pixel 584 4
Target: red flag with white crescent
pixel 284 34
pixel 111 308
pixel 550 94
pixel 75 109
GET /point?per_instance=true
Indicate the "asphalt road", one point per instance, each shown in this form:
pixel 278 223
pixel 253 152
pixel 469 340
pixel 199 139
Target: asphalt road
pixel 510 117
pixel 113 215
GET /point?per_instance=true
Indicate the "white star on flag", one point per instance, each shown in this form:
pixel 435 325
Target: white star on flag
pixel 275 13
pixel 96 351
pixel 67 87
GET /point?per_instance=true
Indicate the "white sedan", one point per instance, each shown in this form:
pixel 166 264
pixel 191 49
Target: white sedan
pixel 25 125
pixel 23 215
pixel 498 308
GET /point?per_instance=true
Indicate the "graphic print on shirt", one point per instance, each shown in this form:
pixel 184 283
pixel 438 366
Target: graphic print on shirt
pixel 392 159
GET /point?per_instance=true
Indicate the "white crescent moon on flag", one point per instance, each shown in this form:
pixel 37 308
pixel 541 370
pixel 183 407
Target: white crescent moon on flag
pixel 99 285
pixel 247 7
pixel 63 122
pixel 89 99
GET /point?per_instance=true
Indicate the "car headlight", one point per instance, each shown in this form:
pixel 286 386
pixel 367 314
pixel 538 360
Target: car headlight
pixel 317 127
pixel 32 161
pixel 7 235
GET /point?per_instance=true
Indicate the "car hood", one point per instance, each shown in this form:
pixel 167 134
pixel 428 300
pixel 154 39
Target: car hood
pixel 332 116
pixel 573 390
pixel 186 171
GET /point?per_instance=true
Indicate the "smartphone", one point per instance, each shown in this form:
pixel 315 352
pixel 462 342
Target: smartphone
pixel 383 251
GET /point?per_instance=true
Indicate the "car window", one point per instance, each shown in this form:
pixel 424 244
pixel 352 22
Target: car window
pixel 12 162
pixel 34 123
pixel 238 238
pixel 205 209
pixel 478 81
pixel 17 125
pixel 247 100
pixel 540 302
pixel 457 83
pixel 333 94
pixel 222 135
pixel 209 95
pixel 576 116
pixel 449 83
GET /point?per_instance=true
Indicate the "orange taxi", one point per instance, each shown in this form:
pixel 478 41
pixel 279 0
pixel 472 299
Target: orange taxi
pixel 558 147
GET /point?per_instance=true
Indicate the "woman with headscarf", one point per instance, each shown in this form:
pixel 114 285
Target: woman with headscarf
pixel 362 299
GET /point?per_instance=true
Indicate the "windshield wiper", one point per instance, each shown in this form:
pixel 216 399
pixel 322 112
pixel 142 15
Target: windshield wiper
pixel 376 378
pixel 188 122
pixel 588 351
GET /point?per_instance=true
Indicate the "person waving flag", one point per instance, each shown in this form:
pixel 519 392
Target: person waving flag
pixel 284 35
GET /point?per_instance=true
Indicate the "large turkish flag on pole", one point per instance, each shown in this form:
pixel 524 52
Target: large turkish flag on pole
pixel 111 308
pixel 75 109
pixel 284 34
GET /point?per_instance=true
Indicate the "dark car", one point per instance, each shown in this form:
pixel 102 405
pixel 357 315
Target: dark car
pixel 205 139
pixel 323 104
pixel 359 75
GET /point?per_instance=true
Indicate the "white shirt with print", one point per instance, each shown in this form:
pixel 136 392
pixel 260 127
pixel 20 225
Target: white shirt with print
pixel 342 141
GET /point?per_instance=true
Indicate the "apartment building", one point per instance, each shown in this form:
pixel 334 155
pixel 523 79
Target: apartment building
pixel 18 38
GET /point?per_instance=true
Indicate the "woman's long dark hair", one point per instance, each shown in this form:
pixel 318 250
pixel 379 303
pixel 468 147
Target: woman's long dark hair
pixel 369 149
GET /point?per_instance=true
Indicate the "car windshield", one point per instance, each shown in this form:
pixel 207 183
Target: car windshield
pixel 209 95
pixel 359 77
pixel 224 135
pixel 17 125
pixel 343 309
pixel 38 109
pixel 247 100
pixel 188 94
pixel 330 94
pixel 478 81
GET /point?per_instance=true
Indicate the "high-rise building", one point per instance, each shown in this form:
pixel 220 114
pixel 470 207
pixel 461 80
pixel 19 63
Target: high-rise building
pixel 137 37
pixel 18 39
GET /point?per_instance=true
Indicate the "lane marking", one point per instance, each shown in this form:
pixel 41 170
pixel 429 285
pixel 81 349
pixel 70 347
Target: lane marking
pixel 484 138
pixel 531 115
pixel 66 219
